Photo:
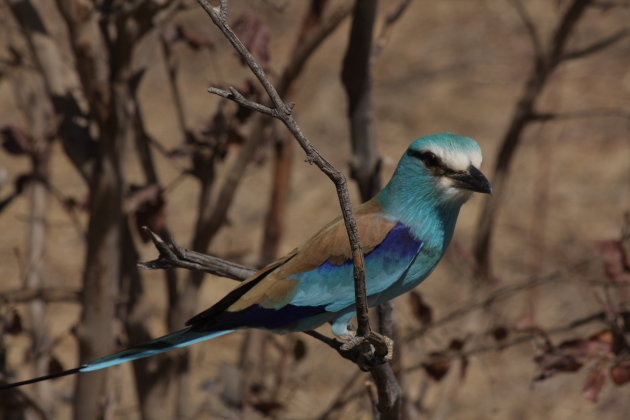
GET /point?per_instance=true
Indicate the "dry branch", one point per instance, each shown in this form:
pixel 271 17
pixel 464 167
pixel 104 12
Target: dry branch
pixel 49 295
pixel 546 60
pixel 173 255
pixel 498 295
pixel 282 112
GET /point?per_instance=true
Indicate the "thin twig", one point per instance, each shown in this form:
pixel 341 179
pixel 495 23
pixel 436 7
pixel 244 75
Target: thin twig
pixel 587 113
pixel 343 397
pixel 237 97
pixel 531 30
pixel 596 46
pixel 388 23
pixel 50 295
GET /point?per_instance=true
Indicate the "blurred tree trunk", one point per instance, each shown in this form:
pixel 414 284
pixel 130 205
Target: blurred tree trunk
pixel 365 161
pixel 546 59
pixel 103 258
pixel 37 113
pixel 100 278
pixel 365 170
pixel 103 66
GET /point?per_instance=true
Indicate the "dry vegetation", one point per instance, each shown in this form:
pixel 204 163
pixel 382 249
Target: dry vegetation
pixel 479 341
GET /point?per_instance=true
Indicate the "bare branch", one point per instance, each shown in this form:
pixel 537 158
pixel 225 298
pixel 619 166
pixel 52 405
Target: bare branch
pixel 587 113
pixel 388 23
pixel 524 110
pixel 531 29
pixel 49 295
pixel 173 255
pixel 237 97
pixel 595 46
pixel 313 156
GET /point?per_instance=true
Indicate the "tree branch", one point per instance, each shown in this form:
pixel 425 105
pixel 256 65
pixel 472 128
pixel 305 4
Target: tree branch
pixel 173 255
pixel 522 115
pixel 596 46
pixel 219 17
pixel 50 295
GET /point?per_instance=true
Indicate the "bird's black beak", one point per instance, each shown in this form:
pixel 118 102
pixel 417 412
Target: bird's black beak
pixel 472 179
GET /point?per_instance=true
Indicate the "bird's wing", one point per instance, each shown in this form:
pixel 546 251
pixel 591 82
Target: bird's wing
pixel 318 276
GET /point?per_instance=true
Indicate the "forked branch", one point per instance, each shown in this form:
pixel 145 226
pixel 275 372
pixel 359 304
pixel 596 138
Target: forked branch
pixel 283 112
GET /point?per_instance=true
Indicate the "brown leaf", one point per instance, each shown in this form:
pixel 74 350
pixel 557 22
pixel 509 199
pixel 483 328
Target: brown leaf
pixel 299 350
pixel 593 385
pixel 456 344
pixel 463 367
pixel 267 408
pixel 15 141
pixel 500 333
pixel 255 35
pixel 620 372
pixel 438 365
pixel 21 182
pixel 147 203
pixel 615 261
pixel 13 323
pixel 54 366
pixel 196 38
pixel 602 343
pixel 569 356
pixel 421 310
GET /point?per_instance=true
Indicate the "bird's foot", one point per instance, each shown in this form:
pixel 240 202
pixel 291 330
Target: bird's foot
pixel 367 351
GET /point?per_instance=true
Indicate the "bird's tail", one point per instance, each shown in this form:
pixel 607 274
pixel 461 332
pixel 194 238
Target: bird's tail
pixel 178 339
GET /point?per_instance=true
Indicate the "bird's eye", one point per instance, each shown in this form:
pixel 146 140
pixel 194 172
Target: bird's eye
pixel 429 159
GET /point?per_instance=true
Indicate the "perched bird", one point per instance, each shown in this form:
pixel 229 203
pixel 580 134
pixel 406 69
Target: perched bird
pixel 404 231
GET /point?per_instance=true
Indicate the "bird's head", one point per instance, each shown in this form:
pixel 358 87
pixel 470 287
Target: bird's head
pixel 442 167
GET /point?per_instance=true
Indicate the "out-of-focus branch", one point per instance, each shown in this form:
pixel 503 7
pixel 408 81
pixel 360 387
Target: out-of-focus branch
pixel 344 396
pixel 587 113
pixel 275 218
pixel 498 295
pixel 50 295
pixel 365 162
pixel 388 23
pixel 524 114
pixel 532 31
pixel 519 339
pixel 316 25
pixel 596 46
pixel 77 142
pixel 365 167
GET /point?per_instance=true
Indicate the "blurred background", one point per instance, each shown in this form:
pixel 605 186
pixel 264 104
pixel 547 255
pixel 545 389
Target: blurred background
pixel 107 125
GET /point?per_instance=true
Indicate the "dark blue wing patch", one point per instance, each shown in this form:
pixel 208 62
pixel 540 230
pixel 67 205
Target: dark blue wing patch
pixel 256 316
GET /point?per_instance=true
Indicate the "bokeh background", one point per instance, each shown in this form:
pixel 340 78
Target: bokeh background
pixel 453 65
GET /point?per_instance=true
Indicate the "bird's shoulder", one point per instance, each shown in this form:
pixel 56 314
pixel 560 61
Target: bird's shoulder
pixel 331 243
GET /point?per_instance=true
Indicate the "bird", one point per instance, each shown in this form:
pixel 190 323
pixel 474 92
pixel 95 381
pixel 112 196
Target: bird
pixel 404 232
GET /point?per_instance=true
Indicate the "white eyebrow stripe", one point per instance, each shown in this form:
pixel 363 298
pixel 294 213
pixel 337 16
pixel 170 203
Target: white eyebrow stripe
pixel 457 160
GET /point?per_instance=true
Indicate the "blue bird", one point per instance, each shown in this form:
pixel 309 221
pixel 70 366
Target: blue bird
pixel 404 231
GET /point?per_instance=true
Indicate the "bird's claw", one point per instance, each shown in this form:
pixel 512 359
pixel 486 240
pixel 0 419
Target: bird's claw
pixel 367 351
